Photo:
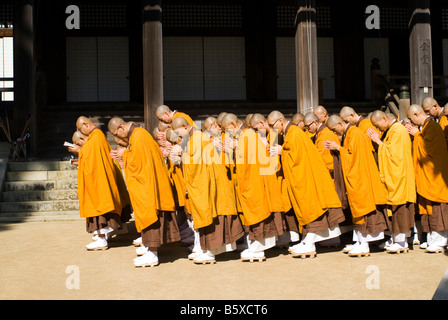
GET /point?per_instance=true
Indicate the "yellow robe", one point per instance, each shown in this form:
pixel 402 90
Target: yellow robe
pixel 209 190
pixel 319 138
pixel 365 124
pixel 443 122
pixel 98 192
pixel 311 188
pixel 178 183
pixel 251 164
pixel 362 180
pixel 431 163
pixel 147 179
pixel 396 165
pixel 121 184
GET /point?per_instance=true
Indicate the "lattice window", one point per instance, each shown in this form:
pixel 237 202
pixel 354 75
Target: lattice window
pixel 445 19
pixel 6 14
pixel 202 16
pixel 286 15
pixel 103 15
pixel 394 18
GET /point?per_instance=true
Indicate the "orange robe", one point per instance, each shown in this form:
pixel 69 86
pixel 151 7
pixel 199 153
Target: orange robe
pixel 395 165
pixel 147 179
pixel 443 122
pixel 311 188
pixel 98 192
pixel 431 165
pixel 322 134
pixel 209 190
pixel 178 183
pixel 362 180
pixel 252 186
pixel 365 124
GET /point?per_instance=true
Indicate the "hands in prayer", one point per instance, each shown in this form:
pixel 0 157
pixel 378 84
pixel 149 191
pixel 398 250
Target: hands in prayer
pixel 331 145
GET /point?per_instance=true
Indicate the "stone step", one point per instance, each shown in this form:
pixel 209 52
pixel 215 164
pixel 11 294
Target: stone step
pixel 41 175
pixel 43 216
pixel 40 166
pixel 41 185
pixel 33 206
pixel 50 195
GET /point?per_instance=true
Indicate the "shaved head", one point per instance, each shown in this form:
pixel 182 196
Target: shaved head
pixel 171 136
pixel 114 123
pixel 208 122
pixel 380 120
pixel 321 113
pixel 219 117
pixel 276 115
pixel 256 119
pixel 160 111
pixel 247 120
pixel 78 138
pixel 416 114
pixel 337 125
pixel 179 122
pixel 333 120
pixel 431 107
pixel 84 125
pixel 310 117
pixel 297 117
pixel 349 115
pixel 229 119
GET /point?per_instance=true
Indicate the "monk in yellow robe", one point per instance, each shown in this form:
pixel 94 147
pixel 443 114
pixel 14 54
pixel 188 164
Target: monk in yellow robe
pixel 259 193
pixel 210 192
pixel 432 107
pixel 98 194
pixel 297 120
pixel 321 133
pixel 310 187
pixel 397 174
pixel 430 157
pixel 366 194
pixel 149 189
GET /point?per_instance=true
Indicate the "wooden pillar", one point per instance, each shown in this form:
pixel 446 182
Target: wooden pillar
pixel 306 57
pixel 420 51
pixel 24 72
pixel 152 60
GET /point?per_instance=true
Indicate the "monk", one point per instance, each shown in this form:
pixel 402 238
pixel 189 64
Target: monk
pixel 321 133
pixel 321 114
pixel 297 120
pixel 366 194
pixel 311 190
pixel 247 120
pixel 397 174
pixel 430 157
pixel 210 192
pixel 98 193
pixel 166 115
pixel 258 192
pixel 349 115
pixel 149 189
pixel 432 107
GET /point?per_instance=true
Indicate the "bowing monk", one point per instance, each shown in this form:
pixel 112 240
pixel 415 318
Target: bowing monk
pixel 260 202
pixel 166 115
pixel 311 190
pixel 321 133
pixel 149 189
pixel 98 193
pixel 397 174
pixel 366 194
pixel 297 120
pixel 349 115
pixel 321 114
pixel 432 107
pixel 210 193
pixel 430 157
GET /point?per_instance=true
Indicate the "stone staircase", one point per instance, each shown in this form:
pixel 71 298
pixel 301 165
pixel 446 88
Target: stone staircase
pixel 40 191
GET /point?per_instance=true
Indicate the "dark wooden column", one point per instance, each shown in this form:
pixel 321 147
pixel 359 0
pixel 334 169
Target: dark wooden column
pixel 152 60
pixel 306 57
pixel 24 71
pixel 420 49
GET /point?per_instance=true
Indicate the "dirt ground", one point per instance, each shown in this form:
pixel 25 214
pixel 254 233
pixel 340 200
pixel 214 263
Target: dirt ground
pixel 49 261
